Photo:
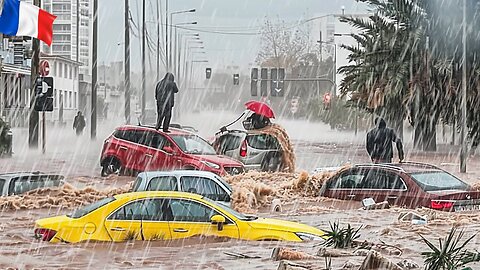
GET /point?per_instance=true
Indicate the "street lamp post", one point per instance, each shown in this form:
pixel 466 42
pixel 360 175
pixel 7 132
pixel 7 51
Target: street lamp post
pixel 169 51
pixel 334 73
pixel 175 43
pixel 179 52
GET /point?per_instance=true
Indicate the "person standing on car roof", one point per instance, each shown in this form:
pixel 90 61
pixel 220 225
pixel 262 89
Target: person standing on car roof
pixel 379 143
pixel 164 94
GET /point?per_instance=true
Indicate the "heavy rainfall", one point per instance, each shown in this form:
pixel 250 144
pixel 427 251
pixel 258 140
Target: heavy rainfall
pixel 221 134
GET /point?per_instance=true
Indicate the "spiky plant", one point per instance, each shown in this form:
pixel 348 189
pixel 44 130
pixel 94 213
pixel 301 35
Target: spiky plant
pixel 450 253
pixel 341 237
pixel 130 236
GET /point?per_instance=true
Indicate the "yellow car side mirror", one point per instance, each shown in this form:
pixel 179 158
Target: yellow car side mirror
pixel 219 220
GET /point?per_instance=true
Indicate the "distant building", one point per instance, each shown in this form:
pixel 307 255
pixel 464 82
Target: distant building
pixel 65 37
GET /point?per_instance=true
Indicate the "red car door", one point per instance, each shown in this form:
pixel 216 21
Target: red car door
pixel 126 147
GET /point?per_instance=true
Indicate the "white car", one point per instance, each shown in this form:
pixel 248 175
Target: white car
pixel 21 182
pixel 204 183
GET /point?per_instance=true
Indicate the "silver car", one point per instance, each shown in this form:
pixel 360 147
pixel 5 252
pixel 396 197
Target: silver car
pixel 255 150
pixel 204 183
pixel 22 182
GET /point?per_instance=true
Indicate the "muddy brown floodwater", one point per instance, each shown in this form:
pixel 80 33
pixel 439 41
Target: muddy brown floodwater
pixel 19 249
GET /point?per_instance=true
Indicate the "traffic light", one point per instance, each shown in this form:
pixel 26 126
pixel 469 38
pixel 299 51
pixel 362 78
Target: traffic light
pixel 44 94
pixel 281 82
pixel 273 82
pixel 254 82
pixel 264 82
pixel 236 79
pixel 208 73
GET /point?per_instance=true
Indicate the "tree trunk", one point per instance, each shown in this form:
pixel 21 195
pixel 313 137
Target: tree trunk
pixel 430 135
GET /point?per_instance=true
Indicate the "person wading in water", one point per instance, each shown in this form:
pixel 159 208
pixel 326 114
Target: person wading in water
pixel 379 143
pixel 165 96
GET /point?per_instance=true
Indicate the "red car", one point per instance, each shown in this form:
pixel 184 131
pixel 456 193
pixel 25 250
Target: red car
pixel 408 184
pixel 141 148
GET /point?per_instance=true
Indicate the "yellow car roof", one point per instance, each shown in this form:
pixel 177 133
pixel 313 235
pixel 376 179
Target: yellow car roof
pixel 146 194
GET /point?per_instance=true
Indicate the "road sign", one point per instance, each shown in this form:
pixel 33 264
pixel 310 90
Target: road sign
pixel 44 94
pixel 236 79
pixel 44 68
pixel 208 73
pixel 254 82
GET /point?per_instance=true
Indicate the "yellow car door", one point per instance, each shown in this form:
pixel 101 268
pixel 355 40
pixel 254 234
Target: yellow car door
pixel 193 218
pixel 142 219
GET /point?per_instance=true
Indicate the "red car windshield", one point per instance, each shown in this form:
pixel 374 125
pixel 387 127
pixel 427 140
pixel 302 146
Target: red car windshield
pixel 192 144
pixel 436 181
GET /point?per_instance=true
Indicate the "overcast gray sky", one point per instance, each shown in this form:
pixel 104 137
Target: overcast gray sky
pixel 222 15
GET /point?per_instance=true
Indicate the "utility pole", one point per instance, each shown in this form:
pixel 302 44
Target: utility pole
pixel 142 117
pixel 463 122
pixel 78 31
pixel 33 118
pixel 127 63
pixel 158 40
pixel 93 118
pixel 166 35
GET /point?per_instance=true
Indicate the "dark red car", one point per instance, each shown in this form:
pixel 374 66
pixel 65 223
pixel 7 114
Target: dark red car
pixel 409 185
pixel 141 148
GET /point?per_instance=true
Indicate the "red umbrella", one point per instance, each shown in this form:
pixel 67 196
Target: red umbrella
pixel 260 108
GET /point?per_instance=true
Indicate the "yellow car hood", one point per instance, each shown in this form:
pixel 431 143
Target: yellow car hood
pixel 282 225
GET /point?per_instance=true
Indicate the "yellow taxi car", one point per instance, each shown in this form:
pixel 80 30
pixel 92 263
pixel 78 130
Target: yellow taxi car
pixel 165 215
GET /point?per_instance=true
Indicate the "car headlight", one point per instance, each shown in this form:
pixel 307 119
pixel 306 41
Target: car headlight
pixel 309 237
pixel 211 164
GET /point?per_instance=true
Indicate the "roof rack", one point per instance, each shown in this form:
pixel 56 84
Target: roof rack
pixel 383 165
pixel 426 165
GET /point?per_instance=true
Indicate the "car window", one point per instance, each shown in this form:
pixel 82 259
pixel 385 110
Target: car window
pixel 25 184
pixel 376 179
pixel 229 142
pixel 90 208
pixel 203 186
pixel 348 179
pixel 2 185
pixel 128 135
pixel 163 183
pixel 262 141
pixel 189 211
pixel 192 144
pixel 147 209
pixel 151 139
pixel 438 180
pixel 137 183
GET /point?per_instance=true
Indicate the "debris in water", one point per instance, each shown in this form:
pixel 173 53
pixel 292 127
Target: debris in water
pixel 280 253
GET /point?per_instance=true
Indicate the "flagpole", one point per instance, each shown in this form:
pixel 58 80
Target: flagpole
pixel 33 115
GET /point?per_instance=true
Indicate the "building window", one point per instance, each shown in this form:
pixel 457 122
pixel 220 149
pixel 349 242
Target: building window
pixel 55 103
pixel 65 71
pixel 60 74
pixel 70 74
pixel 75 100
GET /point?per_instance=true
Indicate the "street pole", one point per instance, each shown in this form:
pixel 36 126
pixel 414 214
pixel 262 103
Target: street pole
pixel 169 56
pixel 158 41
pixel 78 30
pixel 33 118
pixel 463 123
pixel 166 35
pixel 93 117
pixel 44 132
pixel 143 64
pixel 127 63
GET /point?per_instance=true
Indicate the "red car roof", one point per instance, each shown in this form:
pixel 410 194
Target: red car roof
pixel 406 167
pixel 173 131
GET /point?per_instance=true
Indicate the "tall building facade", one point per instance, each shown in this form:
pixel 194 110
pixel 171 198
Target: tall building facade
pixel 71 31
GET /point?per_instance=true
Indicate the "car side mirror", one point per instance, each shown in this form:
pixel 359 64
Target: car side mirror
pixel 168 149
pixel 219 220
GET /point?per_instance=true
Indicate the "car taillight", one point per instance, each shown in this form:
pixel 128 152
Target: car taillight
pixel 243 149
pixel 44 234
pixel 438 205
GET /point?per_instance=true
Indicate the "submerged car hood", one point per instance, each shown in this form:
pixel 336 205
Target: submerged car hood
pixel 456 194
pixel 220 160
pixel 282 225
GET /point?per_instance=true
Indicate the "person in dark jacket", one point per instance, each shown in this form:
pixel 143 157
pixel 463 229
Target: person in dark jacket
pixel 379 143
pixel 79 123
pixel 164 94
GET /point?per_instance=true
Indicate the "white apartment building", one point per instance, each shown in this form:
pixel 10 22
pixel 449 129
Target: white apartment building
pixel 65 38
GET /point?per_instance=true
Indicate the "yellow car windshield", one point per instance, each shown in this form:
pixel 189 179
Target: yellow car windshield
pixel 231 211
pixel 80 212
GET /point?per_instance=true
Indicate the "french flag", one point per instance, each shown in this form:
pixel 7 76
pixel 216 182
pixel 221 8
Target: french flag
pixel 22 19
